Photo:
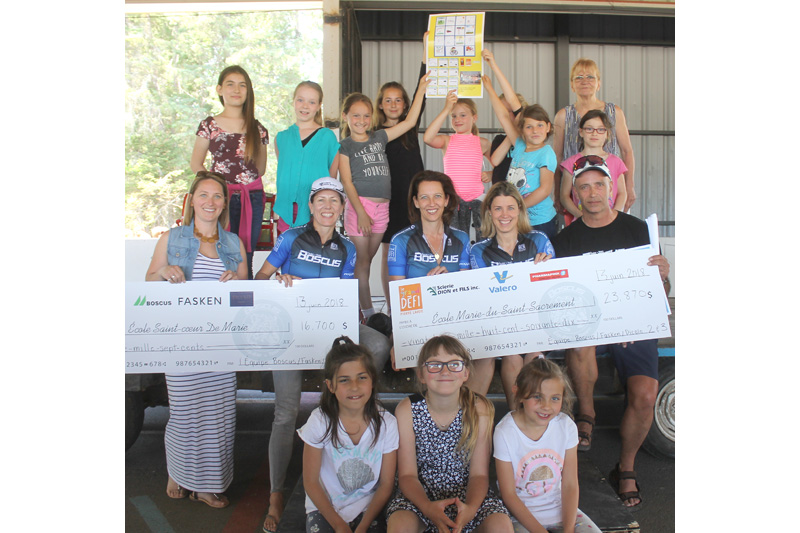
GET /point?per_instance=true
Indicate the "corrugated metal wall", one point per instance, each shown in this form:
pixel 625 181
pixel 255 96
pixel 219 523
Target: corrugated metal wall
pixel 639 79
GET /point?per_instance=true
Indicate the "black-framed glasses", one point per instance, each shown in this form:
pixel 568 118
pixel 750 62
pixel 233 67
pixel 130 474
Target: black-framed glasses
pixel 434 367
pixel 587 160
pixel 592 130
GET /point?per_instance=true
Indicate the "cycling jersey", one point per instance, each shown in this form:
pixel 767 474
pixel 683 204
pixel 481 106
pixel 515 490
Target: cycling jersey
pixel 300 252
pixel 488 253
pixel 410 255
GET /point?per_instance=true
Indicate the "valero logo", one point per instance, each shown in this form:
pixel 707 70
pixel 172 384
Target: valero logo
pixel 501 278
pixel 410 297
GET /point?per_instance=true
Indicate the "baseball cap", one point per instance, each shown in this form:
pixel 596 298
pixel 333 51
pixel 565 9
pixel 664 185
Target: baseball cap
pixel 326 183
pixel 589 162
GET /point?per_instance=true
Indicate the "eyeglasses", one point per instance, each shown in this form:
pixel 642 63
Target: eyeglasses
pixel 581 78
pixel 592 130
pixel 587 160
pixel 456 365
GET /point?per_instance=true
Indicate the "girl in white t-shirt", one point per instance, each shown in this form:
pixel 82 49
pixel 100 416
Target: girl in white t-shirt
pixel 350 452
pixel 536 454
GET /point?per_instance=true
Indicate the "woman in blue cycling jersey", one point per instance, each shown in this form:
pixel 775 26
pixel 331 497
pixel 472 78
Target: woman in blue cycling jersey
pixel 510 239
pixel 314 250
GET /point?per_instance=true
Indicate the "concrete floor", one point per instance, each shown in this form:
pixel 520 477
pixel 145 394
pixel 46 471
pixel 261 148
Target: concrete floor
pixel 147 508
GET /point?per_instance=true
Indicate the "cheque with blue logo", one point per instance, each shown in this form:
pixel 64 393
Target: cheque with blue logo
pixel 203 326
pixel 520 308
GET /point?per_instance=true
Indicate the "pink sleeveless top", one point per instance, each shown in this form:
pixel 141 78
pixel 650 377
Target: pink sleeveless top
pixel 463 162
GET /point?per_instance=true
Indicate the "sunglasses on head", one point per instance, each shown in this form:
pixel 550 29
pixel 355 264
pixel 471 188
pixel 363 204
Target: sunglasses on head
pixel 590 160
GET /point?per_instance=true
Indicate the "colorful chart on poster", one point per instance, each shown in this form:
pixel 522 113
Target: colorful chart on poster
pixel 455 42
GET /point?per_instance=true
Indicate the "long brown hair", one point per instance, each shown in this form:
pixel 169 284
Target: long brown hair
pixel 349 100
pixel 503 188
pixel 252 136
pixel 188 210
pixel 344 351
pixel 530 378
pixel 447 186
pixel 380 116
pixel 467 399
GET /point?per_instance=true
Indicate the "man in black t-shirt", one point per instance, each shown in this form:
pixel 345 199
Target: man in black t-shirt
pixel 601 229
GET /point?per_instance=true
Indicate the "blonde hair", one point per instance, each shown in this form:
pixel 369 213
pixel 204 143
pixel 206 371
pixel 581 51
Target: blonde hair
pixel 188 211
pixel 522 101
pixel 470 104
pixel 585 64
pixel 503 188
pixel 315 86
pixel 349 100
pixel 530 378
pixel 467 399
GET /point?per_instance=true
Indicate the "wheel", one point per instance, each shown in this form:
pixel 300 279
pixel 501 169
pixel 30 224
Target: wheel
pixel 660 441
pixel 134 416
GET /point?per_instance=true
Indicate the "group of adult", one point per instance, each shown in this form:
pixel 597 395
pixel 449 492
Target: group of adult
pixel 200 432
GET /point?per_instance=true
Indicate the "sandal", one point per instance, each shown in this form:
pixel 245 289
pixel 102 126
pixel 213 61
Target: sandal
pixel 176 494
pixel 614 478
pixel 217 501
pixel 582 435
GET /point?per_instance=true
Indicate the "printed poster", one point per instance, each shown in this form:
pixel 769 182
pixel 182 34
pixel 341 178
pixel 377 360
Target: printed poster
pixel 455 43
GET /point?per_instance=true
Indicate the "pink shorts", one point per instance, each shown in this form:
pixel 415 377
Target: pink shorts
pixel 378 212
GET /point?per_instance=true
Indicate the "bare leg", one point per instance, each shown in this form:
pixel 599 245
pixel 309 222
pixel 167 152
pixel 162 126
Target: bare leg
pixel 495 523
pixel 404 522
pixel 481 376
pixel 385 275
pixel 582 368
pixel 366 248
pixel 636 422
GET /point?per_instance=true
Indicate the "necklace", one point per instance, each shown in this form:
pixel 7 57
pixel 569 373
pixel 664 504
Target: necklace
pixel 436 254
pixel 451 416
pixel 202 238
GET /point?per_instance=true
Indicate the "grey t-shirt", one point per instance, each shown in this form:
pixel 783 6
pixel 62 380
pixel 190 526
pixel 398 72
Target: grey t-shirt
pixel 369 166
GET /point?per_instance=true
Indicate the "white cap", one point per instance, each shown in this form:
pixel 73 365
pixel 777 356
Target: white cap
pixel 590 165
pixel 326 183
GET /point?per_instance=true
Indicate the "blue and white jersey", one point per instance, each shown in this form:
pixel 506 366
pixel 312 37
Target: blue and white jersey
pixel 410 255
pixel 300 252
pixel 487 253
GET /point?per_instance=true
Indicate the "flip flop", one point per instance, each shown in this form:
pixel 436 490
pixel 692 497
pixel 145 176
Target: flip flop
pixel 177 494
pixel 582 435
pixel 266 529
pixel 217 501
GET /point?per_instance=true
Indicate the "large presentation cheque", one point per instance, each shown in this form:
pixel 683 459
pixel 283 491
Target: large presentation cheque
pixel 239 325
pixel 520 308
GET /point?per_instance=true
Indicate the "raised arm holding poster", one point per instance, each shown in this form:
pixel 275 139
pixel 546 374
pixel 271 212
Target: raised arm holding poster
pixel 455 41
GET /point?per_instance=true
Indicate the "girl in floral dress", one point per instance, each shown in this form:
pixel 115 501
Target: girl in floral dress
pixel 445 442
pixel 240 162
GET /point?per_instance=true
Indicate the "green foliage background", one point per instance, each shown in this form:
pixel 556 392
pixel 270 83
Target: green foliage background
pixel 172 62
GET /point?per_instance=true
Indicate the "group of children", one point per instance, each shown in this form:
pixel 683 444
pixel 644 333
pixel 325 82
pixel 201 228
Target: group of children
pixel 440 443
pixel 379 153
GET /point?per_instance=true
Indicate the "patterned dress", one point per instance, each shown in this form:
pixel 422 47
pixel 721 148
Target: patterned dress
pixel 442 470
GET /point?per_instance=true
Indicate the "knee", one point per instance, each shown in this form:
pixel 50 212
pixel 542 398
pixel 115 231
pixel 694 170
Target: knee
pixel 497 522
pixel 642 394
pixel 403 522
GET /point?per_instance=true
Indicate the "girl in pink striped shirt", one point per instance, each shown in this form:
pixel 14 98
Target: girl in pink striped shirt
pixel 463 155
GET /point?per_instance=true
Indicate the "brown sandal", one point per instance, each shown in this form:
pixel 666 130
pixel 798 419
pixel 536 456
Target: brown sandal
pixel 582 435
pixel 217 501
pixel 614 478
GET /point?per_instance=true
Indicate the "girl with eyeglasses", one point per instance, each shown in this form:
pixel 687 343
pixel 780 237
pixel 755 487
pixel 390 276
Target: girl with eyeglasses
pixel 584 80
pixel 445 444
pixel 595 130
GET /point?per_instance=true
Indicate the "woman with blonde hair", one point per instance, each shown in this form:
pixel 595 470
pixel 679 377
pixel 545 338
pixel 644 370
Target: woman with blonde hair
pixel 584 78
pixel 510 240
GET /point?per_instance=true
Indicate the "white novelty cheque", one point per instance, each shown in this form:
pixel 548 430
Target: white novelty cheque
pixel 237 325
pixel 522 308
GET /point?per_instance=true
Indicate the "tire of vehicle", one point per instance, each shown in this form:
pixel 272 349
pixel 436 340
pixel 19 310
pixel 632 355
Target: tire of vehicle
pixel 660 441
pixel 134 416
